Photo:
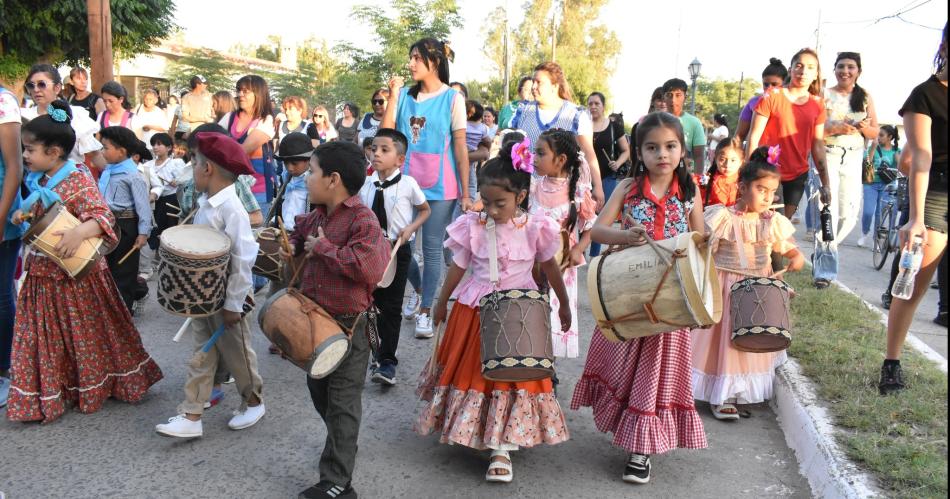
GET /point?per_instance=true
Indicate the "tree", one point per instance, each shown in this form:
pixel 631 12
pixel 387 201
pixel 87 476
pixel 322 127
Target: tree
pixel 218 70
pixel 56 31
pixel 317 77
pixel 586 50
pixel 715 96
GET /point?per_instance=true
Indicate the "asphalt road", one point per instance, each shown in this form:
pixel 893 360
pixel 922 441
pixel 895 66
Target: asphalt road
pixel 116 453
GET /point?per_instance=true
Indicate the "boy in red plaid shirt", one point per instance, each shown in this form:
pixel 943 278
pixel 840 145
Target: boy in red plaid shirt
pixel 344 256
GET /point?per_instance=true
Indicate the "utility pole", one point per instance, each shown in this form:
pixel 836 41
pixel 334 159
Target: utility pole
pixel 741 82
pixel 507 58
pixel 100 41
pixel 818 33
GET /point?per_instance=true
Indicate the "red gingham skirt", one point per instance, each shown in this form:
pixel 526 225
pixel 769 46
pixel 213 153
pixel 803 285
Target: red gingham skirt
pixel 641 391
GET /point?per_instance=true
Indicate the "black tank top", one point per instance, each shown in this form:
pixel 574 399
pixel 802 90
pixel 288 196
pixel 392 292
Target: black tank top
pixel 88 103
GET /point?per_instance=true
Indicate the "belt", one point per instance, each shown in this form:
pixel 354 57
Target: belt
pixel 124 214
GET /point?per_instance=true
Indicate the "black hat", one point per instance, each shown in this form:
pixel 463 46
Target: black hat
pixel 294 145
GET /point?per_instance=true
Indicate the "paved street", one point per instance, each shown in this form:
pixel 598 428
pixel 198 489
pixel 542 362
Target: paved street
pixel 116 453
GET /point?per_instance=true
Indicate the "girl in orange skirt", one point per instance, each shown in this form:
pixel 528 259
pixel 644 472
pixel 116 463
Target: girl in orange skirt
pixel 461 405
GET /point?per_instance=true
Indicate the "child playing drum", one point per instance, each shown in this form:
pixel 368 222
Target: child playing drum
pixel 743 238
pixel 393 197
pixel 126 193
pixel 640 389
pixel 55 312
pixel 562 192
pixel 455 393
pixel 218 162
pixel 345 257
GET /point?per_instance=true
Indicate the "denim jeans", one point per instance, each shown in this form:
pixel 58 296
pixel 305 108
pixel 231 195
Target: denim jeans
pixel 433 259
pixel 844 175
pixel 8 254
pixel 874 197
pixel 610 183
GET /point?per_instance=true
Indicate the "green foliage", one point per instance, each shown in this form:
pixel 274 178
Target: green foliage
pixel 316 79
pixel 722 96
pixel 586 50
pixel 57 31
pixel 220 72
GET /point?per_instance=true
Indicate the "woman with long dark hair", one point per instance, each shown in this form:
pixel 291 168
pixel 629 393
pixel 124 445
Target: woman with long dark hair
pixel 252 125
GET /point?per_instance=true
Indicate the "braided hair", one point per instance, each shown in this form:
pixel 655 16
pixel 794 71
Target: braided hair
pixel 500 171
pixel 564 142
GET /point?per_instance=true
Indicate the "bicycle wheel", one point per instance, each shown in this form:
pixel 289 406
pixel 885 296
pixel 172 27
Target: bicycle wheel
pixel 882 238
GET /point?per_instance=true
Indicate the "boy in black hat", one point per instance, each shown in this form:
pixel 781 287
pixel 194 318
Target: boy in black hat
pixel 295 151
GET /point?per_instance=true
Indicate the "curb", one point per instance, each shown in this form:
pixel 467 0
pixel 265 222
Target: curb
pixel 810 433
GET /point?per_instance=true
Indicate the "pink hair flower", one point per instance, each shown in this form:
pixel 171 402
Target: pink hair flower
pixel 774 153
pixel 521 156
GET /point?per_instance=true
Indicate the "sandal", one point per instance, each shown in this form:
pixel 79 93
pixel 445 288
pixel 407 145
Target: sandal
pixel 822 283
pixel 499 465
pixel 724 412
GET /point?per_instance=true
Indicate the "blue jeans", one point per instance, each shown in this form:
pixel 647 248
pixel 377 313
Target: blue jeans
pixel 874 197
pixel 610 183
pixel 8 254
pixel 433 234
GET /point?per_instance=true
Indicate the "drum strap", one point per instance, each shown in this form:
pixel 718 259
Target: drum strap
pixel 492 252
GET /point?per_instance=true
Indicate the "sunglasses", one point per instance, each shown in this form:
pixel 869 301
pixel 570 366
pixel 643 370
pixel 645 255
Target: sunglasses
pixel 42 85
pixel 319 116
pixel 378 102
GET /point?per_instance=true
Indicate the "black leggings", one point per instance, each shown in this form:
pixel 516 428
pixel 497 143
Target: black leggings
pixel 793 190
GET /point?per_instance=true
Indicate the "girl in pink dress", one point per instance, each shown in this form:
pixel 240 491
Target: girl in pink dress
pixel 562 190
pixel 459 403
pixel 640 389
pixel 743 237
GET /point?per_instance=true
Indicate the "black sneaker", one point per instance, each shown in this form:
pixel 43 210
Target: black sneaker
pixel 327 489
pixel 886 300
pixel 892 379
pixel 941 319
pixel 638 469
pixel 385 374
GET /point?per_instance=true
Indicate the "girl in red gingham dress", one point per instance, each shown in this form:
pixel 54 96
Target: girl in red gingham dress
pixel 641 389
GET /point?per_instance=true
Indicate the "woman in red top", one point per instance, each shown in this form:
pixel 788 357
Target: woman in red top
pixel 793 117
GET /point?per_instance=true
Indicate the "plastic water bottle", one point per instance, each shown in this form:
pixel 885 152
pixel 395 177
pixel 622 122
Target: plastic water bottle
pixel 909 265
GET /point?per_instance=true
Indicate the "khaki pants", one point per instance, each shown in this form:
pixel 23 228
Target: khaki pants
pixel 233 348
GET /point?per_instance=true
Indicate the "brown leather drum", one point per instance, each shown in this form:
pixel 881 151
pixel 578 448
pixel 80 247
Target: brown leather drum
pixel 305 333
pixel 268 263
pixel 516 336
pixel 41 236
pixel 760 320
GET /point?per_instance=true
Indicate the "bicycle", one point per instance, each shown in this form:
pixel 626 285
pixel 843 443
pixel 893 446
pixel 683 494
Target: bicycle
pixel 885 232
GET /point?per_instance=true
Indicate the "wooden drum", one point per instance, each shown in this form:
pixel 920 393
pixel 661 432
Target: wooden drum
pixel 655 288
pixel 268 263
pixel 193 270
pixel 760 320
pixel 41 237
pixel 516 336
pixel 306 334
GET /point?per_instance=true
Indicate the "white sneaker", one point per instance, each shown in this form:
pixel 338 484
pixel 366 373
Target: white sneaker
pixel 411 307
pixel 423 326
pixel 180 426
pixel 246 418
pixel 863 241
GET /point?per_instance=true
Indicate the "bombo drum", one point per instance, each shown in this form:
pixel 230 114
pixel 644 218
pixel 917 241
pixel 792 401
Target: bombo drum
pixel 760 321
pixel 41 236
pixel 516 336
pixel 268 263
pixel 306 334
pixel 193 270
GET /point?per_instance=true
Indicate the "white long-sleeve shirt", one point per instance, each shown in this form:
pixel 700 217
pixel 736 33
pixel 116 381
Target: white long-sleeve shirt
pixel 224 212
pixel 163 175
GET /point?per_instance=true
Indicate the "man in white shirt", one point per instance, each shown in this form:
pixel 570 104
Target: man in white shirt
pixel 393 197
pixel 197 106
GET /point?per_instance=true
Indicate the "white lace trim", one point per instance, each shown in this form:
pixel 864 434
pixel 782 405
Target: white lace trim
pixel 86 389
pixel 747 388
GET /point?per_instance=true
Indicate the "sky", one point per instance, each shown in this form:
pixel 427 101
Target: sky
pixel 659 40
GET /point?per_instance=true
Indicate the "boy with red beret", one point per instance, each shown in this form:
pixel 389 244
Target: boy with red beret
pixel 218 162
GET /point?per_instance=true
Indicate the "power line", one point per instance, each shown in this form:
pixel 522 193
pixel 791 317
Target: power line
pixel 903 10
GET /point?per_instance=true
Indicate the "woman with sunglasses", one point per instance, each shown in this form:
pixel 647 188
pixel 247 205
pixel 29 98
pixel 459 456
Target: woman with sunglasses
pixel 43 85
pixel 320 129
pixel 370 122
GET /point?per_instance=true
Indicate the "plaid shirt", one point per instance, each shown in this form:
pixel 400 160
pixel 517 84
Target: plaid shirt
pixel 345 266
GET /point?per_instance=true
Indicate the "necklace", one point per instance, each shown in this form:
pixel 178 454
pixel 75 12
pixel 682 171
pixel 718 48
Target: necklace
pixel 558 183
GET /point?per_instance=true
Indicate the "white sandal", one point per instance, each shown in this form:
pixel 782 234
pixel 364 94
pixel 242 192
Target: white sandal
pixel 499 465
pixel 724 416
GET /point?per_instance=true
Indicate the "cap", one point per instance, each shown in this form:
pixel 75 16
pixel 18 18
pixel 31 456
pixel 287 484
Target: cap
pixel 225 152
pixel 294 145
pixel 201 78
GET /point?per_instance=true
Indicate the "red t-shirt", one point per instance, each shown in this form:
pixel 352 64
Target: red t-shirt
pixel 722 190
pixel 791 126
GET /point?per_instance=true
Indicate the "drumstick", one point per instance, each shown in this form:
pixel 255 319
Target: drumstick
pixel 181 331
pixel 189 217
pixel 779 273
pixel 277 200
pixel 127 255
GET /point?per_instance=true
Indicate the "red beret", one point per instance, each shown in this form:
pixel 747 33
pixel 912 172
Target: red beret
pixel 225 152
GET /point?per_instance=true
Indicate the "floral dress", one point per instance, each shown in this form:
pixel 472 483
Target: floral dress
pixel 549 197
pixel 74 341
pixel 640 389
pixel 461 405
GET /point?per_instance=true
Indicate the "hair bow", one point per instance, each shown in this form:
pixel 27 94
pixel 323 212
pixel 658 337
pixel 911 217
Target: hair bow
pixel 774 153
pixel 521 156
pixel 57 114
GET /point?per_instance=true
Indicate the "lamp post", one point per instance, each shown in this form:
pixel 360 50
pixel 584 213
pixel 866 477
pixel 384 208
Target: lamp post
pixel 694 68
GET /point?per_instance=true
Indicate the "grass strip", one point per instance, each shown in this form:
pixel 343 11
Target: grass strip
pixel 901 439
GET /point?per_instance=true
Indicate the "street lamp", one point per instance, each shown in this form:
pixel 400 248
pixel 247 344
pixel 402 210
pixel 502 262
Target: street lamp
pixel 694 68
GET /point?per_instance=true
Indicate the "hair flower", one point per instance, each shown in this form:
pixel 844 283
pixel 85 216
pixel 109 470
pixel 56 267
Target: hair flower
pixel 57 114
pixel 774 153
pixel 521 156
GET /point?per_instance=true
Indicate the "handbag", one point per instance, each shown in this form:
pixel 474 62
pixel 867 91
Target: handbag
pixel 867 168
pixel 624 169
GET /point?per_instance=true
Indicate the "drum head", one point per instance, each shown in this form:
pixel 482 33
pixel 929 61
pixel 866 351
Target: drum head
pixel 195 241
pixel 701 281
pixel 328 356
